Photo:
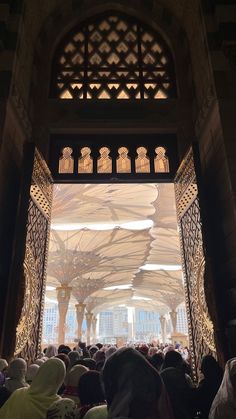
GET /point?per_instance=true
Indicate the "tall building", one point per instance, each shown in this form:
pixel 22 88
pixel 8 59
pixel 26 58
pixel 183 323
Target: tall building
pixel 147 325
pixel 50 321
pixel 106 324
pixel 182 322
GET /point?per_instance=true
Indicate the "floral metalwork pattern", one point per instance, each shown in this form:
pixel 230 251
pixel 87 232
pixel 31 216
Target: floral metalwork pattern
pixel 29 329
pixel 189 218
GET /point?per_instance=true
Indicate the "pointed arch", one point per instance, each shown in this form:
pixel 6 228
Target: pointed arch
pixel 113 56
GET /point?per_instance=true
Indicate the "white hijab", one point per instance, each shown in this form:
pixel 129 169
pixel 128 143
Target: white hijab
pixel 33 402
pixel 224 403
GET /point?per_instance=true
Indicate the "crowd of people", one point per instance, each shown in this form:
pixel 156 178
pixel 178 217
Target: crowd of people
pixel 102 381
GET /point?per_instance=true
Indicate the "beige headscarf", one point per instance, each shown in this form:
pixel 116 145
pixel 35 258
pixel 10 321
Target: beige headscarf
pixel 31 373
pixel 33 402
pixel 224 403
pixel 16 375
pixel 72 381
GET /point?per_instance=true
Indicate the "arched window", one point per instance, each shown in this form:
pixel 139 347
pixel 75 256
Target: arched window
pixel 161 162
pixel 142 162
pixel 85 162
pixel 66 161
pixel 113 56
pixel 104 161
pixel 123 163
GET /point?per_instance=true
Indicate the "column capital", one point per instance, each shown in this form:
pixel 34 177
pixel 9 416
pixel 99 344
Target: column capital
pixel 63 294
pixel 89 316
pixel 80 307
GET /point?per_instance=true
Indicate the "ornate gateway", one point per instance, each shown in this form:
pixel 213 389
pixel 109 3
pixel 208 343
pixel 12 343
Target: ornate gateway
pixel 30 256
pixel 201 330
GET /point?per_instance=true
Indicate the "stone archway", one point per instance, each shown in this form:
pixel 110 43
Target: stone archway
pixel 181 116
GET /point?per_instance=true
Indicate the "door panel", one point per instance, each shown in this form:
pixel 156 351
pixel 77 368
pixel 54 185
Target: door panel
pixel 193 254
pixel 27 281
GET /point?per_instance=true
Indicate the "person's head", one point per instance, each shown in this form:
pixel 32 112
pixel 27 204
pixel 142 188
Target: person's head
pixel 62 409
pixel 173 359
pixel 92 350
pixel 74 374
pixel 51 351
pixel 229 379
pixel 17 369
pixel 99 345
pixel 39 362
pixel 110 351
pixel 99 356
pixel 143 349
pixel 64 359
pixel 157 360
pixel 82 345
pixel 90 388
pixel 31 372
pixel 152 351
pixel 49 378
pixel 87 362
pixel 63 349
pixel 3 365
pixel 74 357
pixel 130 382
pixel 210 368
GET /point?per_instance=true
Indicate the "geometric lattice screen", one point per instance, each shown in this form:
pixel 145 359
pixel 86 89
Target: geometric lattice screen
pixel 113 57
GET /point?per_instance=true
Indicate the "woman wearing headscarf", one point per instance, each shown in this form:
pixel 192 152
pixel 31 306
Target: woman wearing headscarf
pixel 177 385
pixel 87 362
pixel 133 388
pixel 224 404
pixel 74 357
pixel 3 365
pixel 72 382
pixel 208 386
pixel 62 409
pixel 39 362
pixel 90 392
pixel 31 373
pixel 16 375
pixel 33 402
pixel 98 412
pixel 111 350
pixel 51 351
pixel 3 370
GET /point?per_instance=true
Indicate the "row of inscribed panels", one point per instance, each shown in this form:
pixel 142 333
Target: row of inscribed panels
pixel 104 161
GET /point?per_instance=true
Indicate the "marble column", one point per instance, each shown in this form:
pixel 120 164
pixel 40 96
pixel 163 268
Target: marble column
pixel 163 328
pixel 173 316
pixel 94 328
pixel 80 307
pixel 63 298
pixel 89 318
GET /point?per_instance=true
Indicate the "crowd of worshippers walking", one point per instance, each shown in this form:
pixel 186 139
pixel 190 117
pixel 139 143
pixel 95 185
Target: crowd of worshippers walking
pixel 98 382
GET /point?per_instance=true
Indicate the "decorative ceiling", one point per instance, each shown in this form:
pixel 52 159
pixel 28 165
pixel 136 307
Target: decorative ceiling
pixel 116 244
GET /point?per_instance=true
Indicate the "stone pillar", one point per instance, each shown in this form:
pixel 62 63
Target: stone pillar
pixel 163 328
pixel 63 298
pixel 94 328
pixel 89 317
pixel 80 307
pixel 173 316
